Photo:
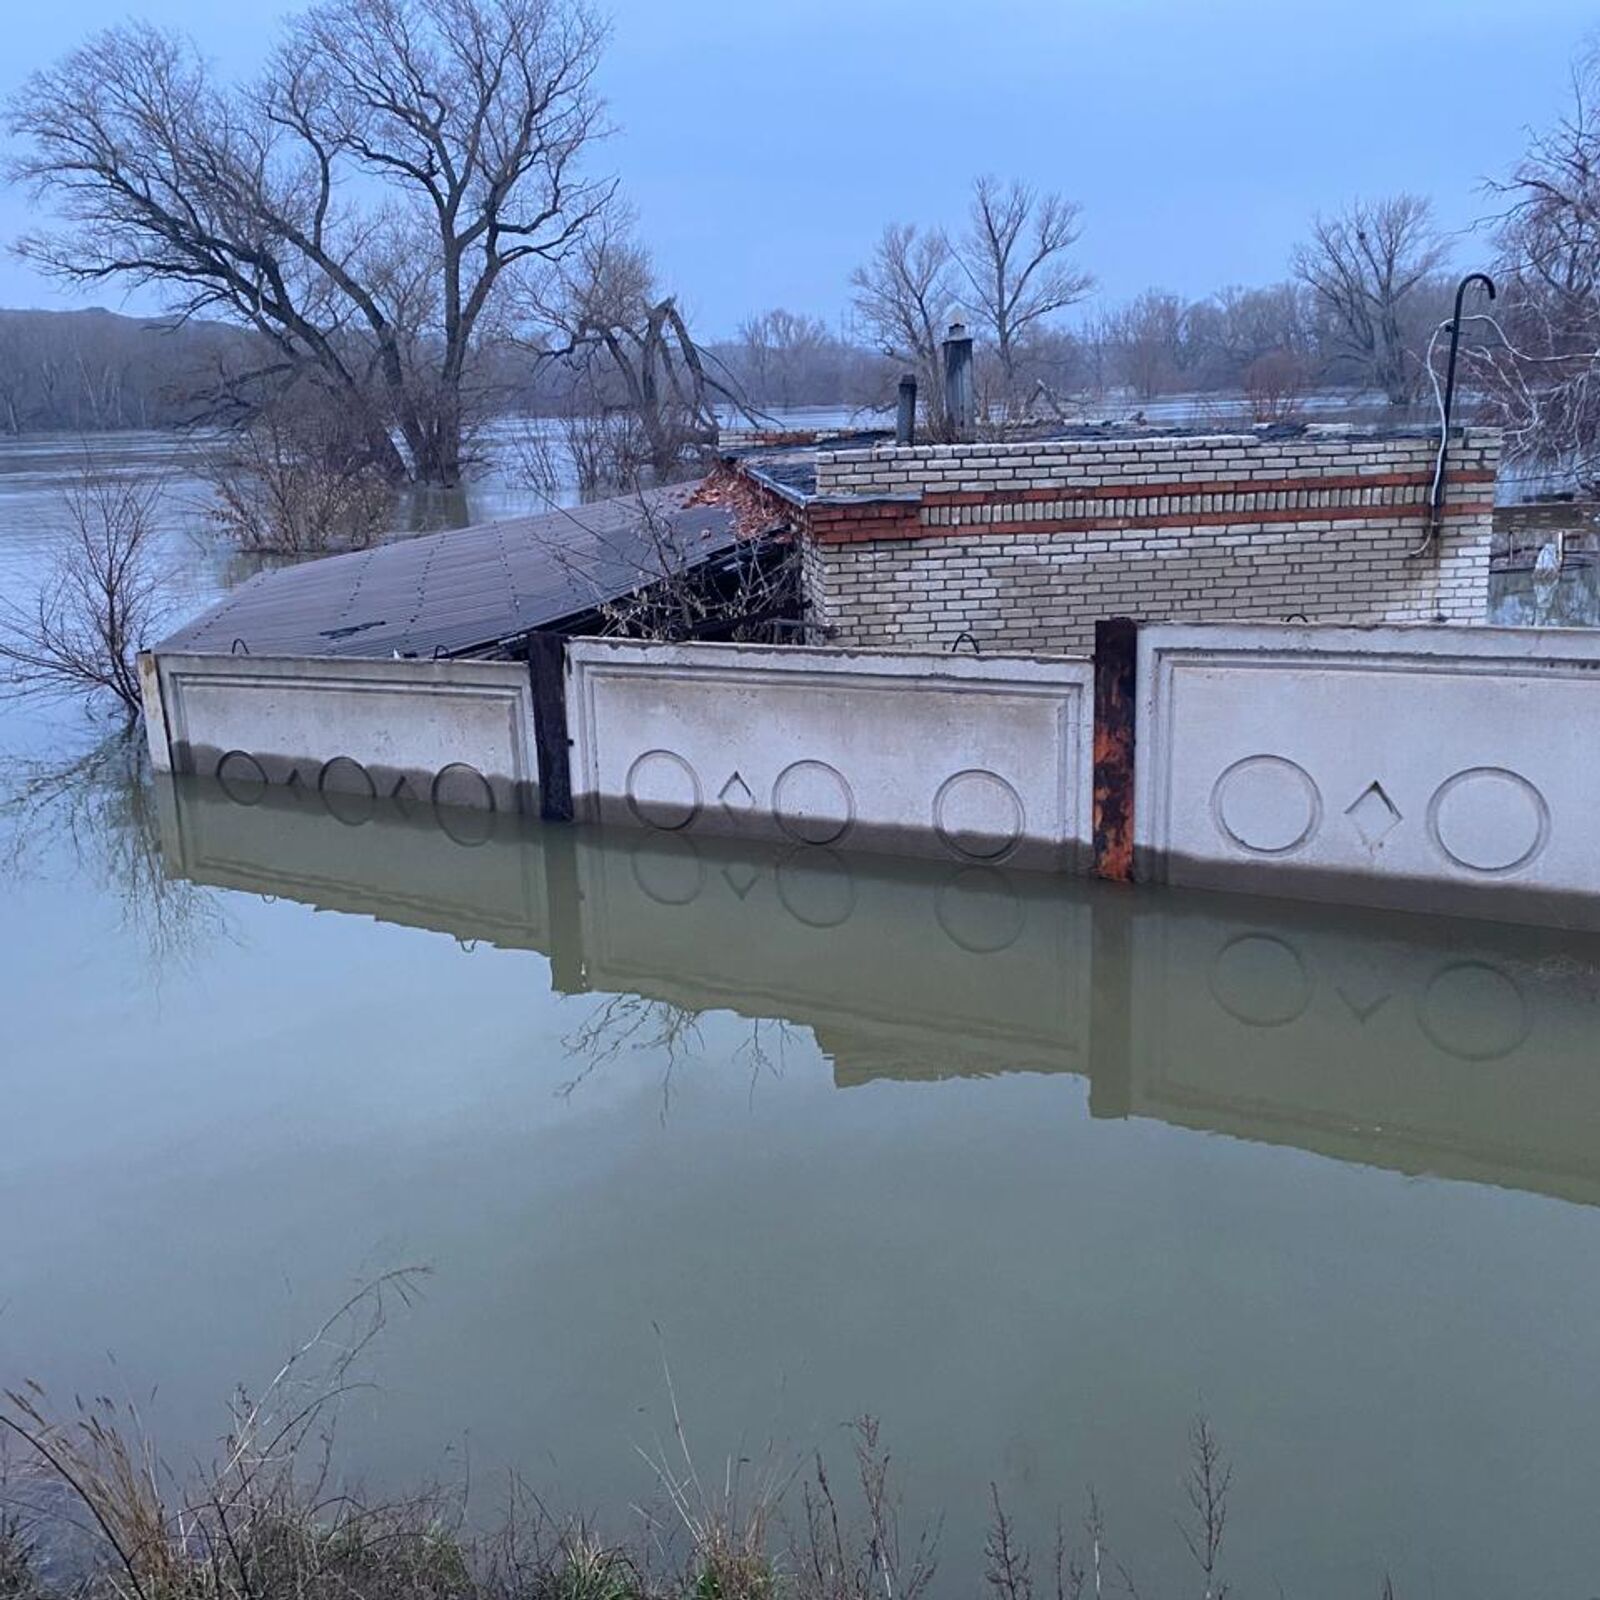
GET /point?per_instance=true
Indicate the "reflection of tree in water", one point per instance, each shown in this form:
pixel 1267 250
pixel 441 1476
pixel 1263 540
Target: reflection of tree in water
pixel 102 806
pixel 623 1024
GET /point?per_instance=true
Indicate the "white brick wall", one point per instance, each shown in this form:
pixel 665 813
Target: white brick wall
pixel 1024 589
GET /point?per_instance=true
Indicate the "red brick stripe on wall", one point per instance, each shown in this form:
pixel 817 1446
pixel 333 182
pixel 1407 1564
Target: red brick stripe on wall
pixel 872 523
pixel 872 519
pixel 1147 489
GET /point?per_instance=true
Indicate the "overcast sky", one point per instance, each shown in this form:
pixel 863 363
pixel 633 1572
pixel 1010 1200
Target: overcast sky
pixel 765 144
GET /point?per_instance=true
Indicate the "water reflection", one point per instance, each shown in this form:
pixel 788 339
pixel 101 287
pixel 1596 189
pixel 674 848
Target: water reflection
pixel 102 805
pixel 1421 1045
pixel 1518 600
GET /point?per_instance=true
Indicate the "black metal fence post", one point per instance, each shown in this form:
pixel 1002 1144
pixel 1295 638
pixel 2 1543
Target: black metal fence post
pixel 547 672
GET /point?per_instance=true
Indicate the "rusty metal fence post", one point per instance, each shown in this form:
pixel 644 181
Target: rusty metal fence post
pixel 1116 683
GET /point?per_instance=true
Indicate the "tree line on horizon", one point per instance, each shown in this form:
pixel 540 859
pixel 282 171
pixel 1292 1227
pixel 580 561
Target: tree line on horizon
pixel 395 232
pixel 95 370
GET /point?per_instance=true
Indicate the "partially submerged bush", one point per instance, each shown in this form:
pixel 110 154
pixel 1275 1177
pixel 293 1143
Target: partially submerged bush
pixel 602 451
pixel 99 604
pixel 300 479
pixel 608 450
pixel 1274 384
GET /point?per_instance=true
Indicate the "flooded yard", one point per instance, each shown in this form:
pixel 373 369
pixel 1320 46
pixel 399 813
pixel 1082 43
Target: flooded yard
pixel 1032 1170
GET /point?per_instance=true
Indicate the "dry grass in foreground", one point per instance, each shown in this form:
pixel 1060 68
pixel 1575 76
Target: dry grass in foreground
pixel 88 1511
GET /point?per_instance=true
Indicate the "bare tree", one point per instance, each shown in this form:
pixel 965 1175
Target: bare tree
pixel 1366 266
pixel 787 356
pixel 1231 331
pixel 1147 338
pixel 1014 257
pixel 13 377
pixel 78 371
pixel 629 344
pixel 97 608
pixel 1539 362
pixel 906 294
pixel 359 206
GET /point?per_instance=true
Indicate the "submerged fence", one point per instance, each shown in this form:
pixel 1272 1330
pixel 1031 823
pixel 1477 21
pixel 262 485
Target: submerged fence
pixel 1443 768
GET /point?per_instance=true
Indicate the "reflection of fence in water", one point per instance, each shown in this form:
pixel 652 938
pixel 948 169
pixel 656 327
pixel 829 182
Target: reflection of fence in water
pixel 1424 1046
pixel 1413 1044
pixel 1470 1009
pixel 979 909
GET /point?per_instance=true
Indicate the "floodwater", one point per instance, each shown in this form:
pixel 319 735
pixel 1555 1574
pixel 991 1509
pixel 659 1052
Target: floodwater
pixel 1034 1171
pixel 1570 598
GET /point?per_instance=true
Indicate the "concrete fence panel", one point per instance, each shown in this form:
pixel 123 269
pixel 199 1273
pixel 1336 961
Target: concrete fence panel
pixel 450 733
pixel 981 760
pixel 1459 769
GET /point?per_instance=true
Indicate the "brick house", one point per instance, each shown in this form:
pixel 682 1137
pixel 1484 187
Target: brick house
pixel 1021 545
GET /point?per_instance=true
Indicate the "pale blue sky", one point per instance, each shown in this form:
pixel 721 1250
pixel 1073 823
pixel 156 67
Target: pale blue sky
pixel 765 144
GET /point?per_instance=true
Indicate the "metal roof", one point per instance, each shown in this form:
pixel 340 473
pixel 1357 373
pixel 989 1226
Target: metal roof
pixel 462 591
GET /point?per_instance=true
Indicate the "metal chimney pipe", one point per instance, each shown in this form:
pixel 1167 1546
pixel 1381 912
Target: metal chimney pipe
pixel 958 380
pixel 905 417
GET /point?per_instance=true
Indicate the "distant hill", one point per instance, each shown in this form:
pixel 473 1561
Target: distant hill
pixel 91 371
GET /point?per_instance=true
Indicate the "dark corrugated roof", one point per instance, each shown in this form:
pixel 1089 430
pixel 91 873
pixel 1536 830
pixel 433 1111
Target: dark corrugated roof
pixel 451 593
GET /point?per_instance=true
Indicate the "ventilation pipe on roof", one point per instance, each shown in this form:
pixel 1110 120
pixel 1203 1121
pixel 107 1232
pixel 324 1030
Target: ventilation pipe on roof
pixel 905 417
pixel 958 380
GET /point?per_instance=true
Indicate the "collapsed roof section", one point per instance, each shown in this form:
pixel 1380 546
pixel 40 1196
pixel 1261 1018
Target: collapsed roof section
pixel 468 591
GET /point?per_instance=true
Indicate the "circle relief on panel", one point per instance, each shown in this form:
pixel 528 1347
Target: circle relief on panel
pixel 1260 980
pixel 1489 820
pixel 663 790
pixel 346 775
pixel 243 778
pixel 1474 1011
pixel 978 814
pixel 813 802
pixel 1266 805
pixel 462 785
pixel 348 792
pixel 463 803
